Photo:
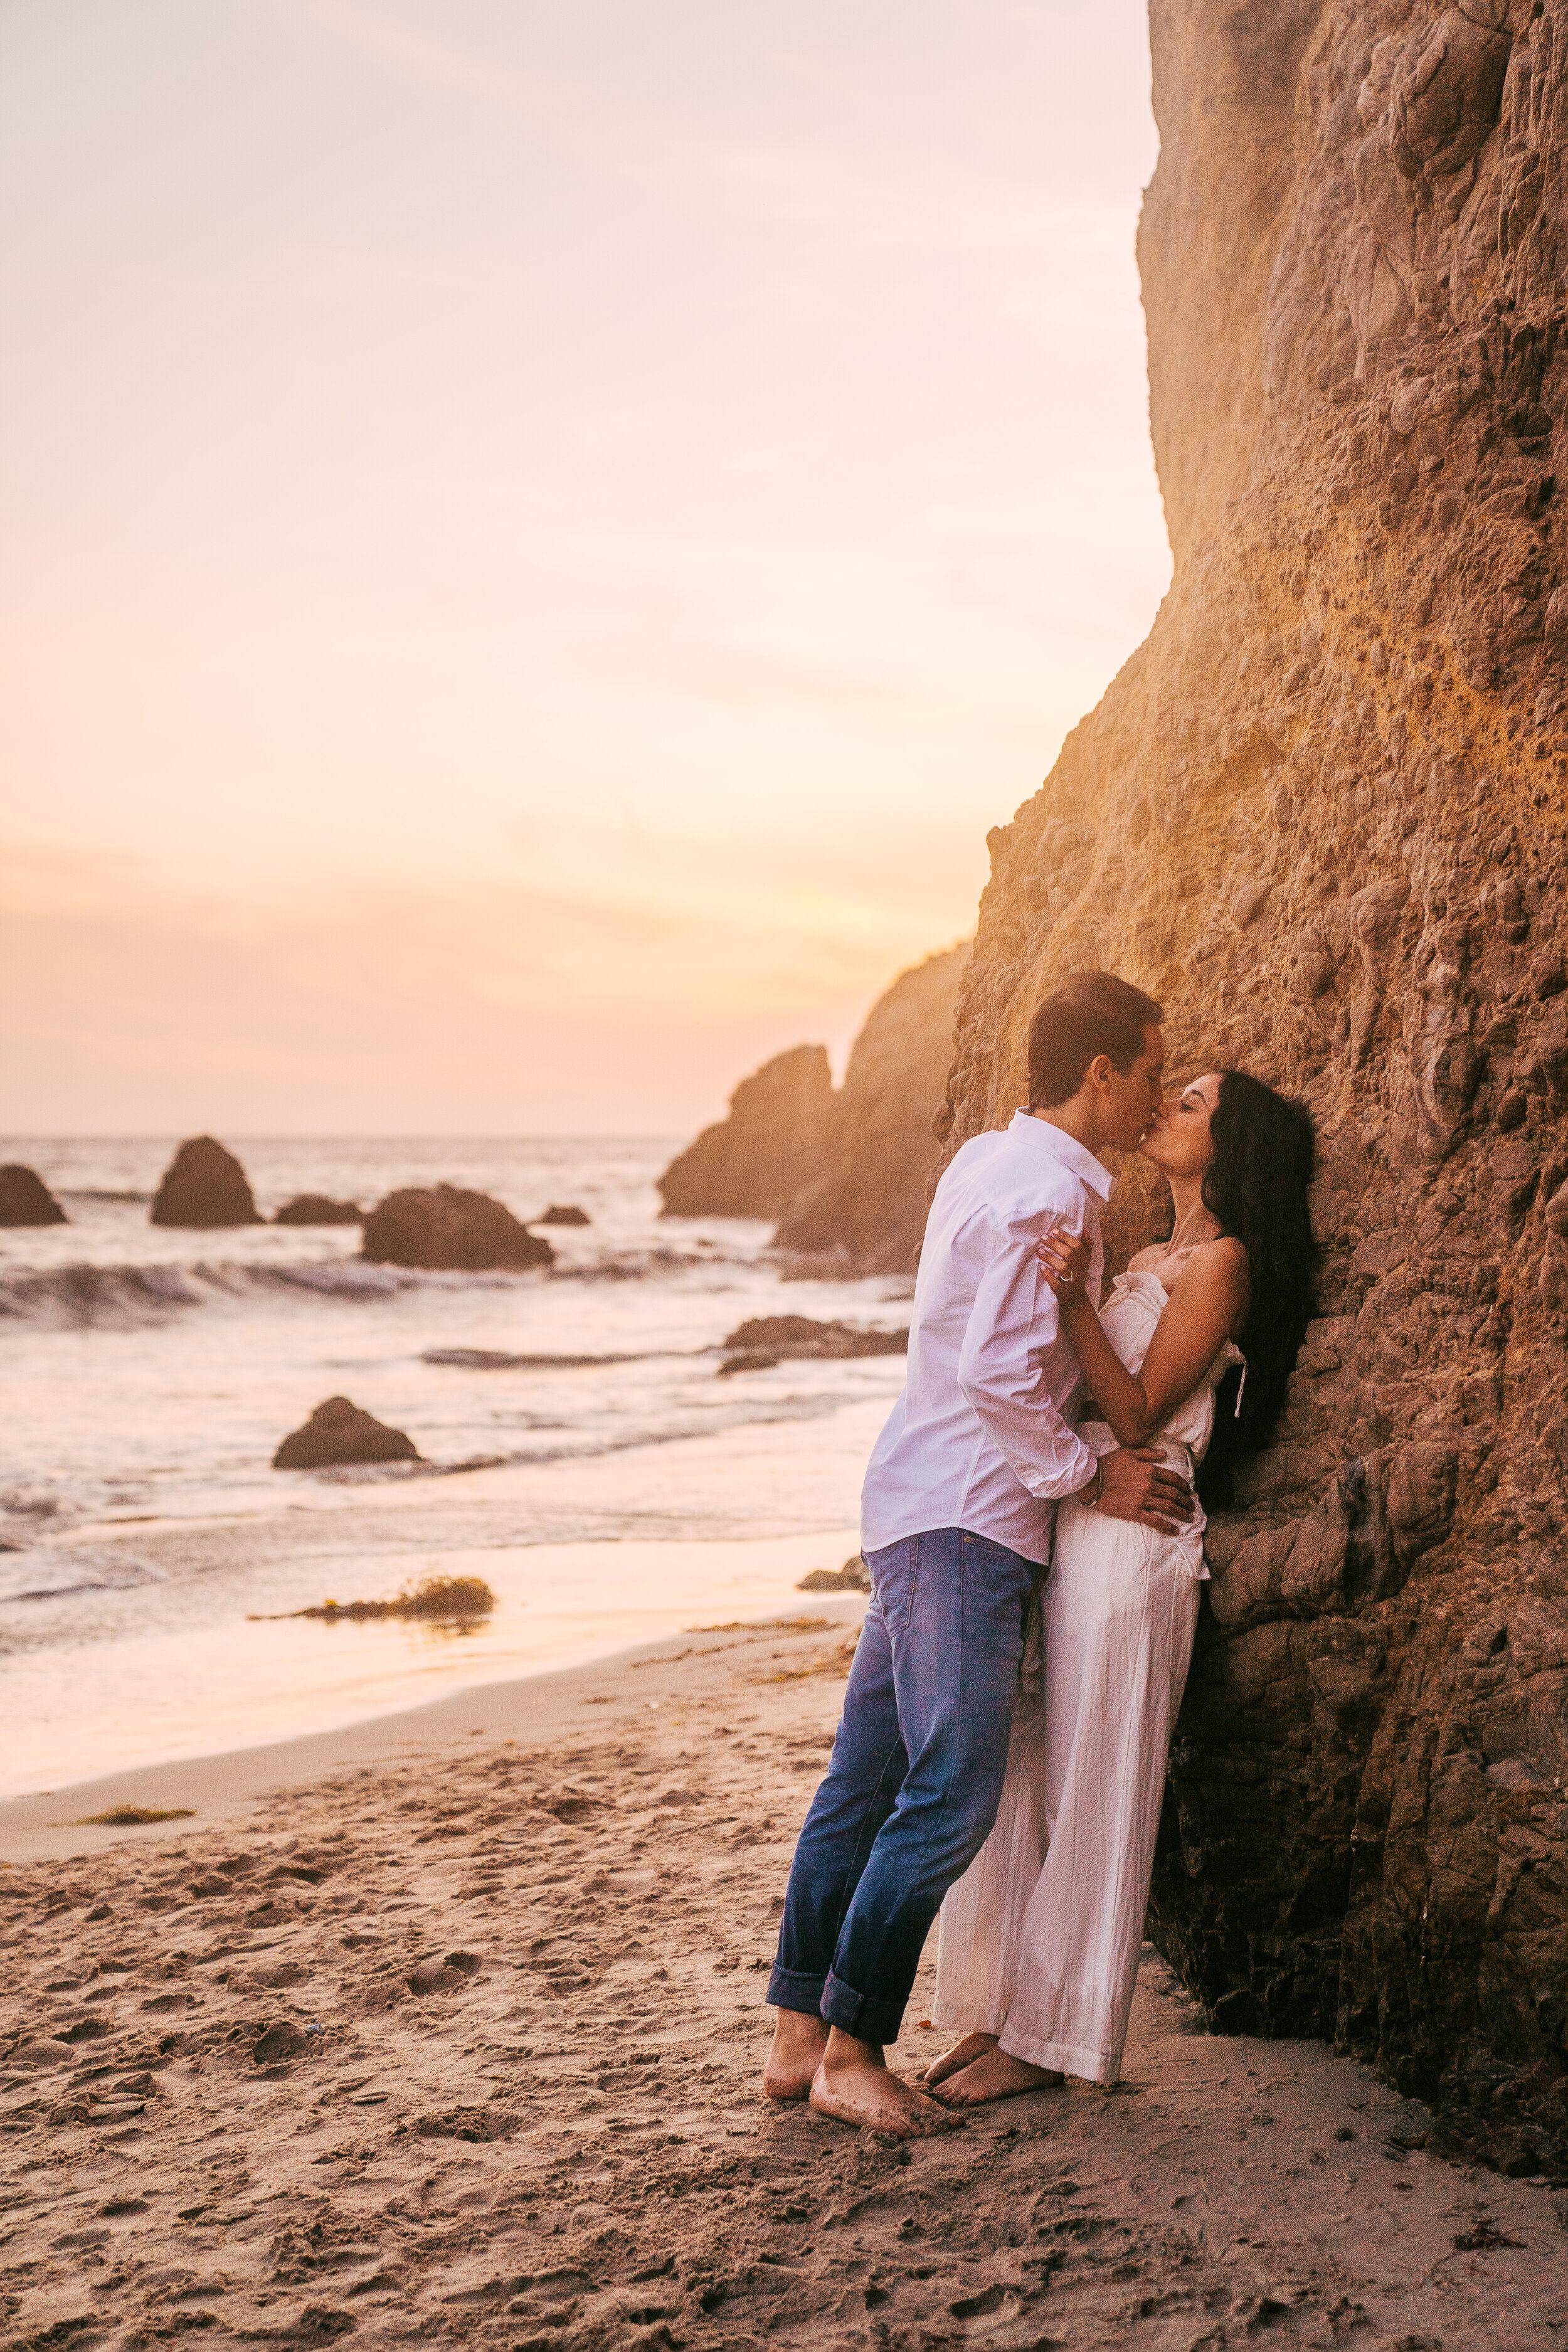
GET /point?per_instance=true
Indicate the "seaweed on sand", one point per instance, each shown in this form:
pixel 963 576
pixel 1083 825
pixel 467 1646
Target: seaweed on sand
pixel 431 1597
pixel 127 1817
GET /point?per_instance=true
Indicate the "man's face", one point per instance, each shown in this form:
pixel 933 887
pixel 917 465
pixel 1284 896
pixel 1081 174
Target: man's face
pixel 1134 1096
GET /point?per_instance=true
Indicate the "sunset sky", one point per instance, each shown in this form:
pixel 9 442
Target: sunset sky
pixel 539 534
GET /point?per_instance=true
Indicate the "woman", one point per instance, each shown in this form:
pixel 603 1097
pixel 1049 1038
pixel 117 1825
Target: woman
pixel 1039 1939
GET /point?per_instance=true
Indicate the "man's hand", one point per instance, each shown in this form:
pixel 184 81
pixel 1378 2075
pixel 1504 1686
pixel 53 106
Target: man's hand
pixel 1139 1484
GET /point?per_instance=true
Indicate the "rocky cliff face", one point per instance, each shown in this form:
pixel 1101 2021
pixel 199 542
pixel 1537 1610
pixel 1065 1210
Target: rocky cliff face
pixel 751 1163
pixel 1320 814
pixel 869 1197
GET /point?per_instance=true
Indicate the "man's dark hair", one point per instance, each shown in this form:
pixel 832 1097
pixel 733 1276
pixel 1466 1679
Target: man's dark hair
pixel 1093 1012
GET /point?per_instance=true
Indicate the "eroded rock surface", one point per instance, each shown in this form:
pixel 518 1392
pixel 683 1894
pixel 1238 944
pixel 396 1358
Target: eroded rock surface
pixel 1320 814
pixel 870 1198
pixel 444 1226
pixel 204 1186
pixel 751 1163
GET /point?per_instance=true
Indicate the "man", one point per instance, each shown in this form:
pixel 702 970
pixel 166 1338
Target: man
pixel 957 1513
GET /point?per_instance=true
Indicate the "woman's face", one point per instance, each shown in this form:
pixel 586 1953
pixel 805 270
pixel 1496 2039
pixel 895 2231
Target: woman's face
pixel 1179 1141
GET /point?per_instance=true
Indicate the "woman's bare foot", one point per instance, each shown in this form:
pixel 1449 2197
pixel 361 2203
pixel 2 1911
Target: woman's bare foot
pixel 799 2040
pixel 962 2054
pixel 854 2085
pixel 996 2076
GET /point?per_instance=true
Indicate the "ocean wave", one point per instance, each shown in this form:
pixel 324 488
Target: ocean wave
pixel 53 1574
pixel 72 1298
pixel 579 1446
pixel 497 1360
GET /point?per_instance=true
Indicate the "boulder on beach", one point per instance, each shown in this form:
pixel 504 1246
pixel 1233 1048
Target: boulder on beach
pixel 26 1200
pixel 777 1336
pixel 442 1226
pixel 563 1213
pixel 853 1577
pixel 754 1163
pixel 204 1185
pixel 339 1431
pixel 867 1198
pixel 315 1209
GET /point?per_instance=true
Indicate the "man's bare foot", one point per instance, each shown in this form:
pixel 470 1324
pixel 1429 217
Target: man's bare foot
pixel 962 2054
pixel 996 2076
pixel 854 2085
pixel 799 2040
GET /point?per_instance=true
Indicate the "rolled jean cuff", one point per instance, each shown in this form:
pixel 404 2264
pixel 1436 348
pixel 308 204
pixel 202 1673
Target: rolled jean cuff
pixel 792 1989
pixel 859 2013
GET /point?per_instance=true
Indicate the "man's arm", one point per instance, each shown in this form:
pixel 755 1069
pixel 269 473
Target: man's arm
pixel 1013 1321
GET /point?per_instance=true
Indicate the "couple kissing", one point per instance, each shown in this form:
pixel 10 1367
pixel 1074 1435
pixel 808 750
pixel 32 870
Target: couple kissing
pixel 1034 1534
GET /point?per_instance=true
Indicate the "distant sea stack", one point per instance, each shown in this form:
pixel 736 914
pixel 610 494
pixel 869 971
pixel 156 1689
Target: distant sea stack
pixel 204 1185
pixel 441 1225
pixel 869 1197
pixel 26 1200
pixel 843 1172
pixel 1322 815
pixel 754 1163
pixel 339 1431
pixel 316 1209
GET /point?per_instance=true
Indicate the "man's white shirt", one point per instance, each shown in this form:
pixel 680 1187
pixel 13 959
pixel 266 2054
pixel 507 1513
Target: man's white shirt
pixel 982 1436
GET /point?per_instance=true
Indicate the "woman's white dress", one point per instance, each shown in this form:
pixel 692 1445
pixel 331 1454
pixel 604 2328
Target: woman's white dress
pixel 1039 1938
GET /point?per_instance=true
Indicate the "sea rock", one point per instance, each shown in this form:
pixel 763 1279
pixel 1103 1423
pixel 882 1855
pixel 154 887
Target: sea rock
pixel 315 1209
pixel 26 1200
pixel 339 1431
pixel 1352 253
pixel 443 1225
pixel 204 1185
pixel 752 1162
pixel 564 1213
pixel 777 1336
pixel 853 1577
pixel 870 1195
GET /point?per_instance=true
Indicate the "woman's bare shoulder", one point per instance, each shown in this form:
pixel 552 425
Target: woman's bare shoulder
pixel 1219 1265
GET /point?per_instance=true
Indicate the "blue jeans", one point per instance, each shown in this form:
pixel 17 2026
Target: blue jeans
pixel 914 1779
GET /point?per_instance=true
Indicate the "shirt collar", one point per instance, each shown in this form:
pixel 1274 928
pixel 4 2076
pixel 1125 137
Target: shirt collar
pixel 1039 1135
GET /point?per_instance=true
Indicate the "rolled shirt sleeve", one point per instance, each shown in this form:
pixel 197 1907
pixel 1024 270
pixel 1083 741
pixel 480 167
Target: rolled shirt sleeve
pixel 1013 1320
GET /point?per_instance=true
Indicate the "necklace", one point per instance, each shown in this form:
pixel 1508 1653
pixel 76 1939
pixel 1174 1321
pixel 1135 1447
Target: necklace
pixel 1179 1240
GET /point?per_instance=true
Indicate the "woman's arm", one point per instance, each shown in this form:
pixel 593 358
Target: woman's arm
pixel 1207 1304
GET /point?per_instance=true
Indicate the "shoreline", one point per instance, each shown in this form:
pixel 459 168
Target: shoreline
pixel 461 2039
pixel 231 1782
pixel 150 1699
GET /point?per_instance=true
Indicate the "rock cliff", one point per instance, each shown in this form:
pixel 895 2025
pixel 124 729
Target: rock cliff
pixel 1321 815
pixel 752 1162
pixel 869 1197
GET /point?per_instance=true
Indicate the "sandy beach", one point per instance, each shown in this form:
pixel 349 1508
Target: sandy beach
pixel 448 2029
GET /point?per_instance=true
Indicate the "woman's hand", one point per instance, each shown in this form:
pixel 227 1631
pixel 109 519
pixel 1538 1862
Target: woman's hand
pixel 1064 1260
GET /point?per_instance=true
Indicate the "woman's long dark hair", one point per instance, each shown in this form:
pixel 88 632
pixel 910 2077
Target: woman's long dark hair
pixel 1264 1152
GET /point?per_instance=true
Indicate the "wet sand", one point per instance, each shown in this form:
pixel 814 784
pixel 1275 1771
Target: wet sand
pixel 448 2030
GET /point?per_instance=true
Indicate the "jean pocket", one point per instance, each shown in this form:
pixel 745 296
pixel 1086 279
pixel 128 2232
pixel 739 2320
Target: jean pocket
pixel 895 1574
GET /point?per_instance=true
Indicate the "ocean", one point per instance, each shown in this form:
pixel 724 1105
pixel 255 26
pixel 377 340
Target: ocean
pixel 611 1488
